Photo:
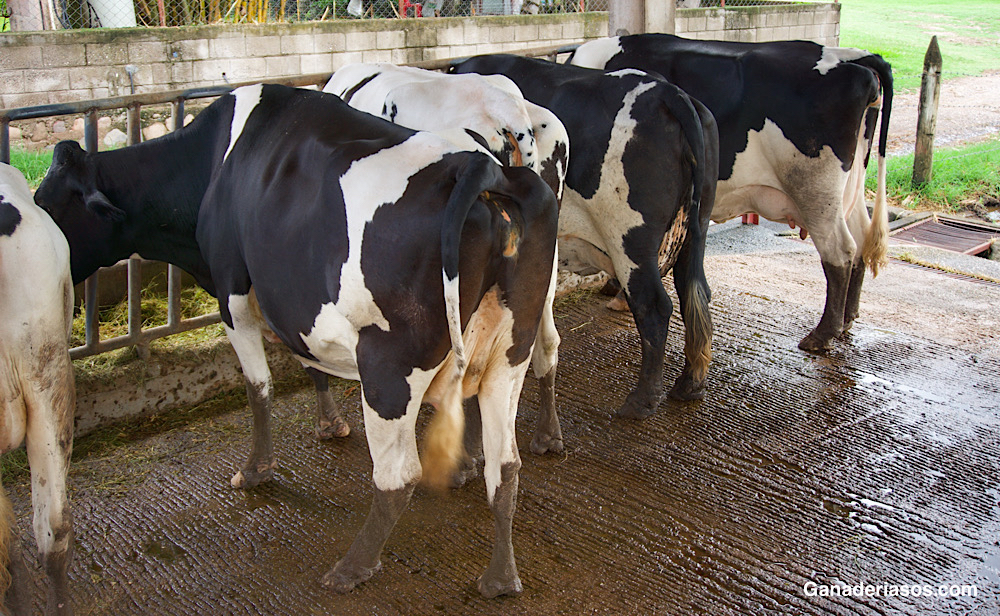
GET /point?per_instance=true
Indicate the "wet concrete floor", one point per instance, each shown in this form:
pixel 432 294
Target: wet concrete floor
pixel 875 464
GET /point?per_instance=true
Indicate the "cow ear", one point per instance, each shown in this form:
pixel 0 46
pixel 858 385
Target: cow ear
pixel 67 151
pixel 97 203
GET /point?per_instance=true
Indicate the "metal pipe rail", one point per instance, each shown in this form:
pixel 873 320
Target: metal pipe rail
pixel 136 336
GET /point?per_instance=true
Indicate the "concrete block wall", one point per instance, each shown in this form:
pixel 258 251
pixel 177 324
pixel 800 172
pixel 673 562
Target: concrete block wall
pixel 39 68
pixel 52 67
pixel 818 22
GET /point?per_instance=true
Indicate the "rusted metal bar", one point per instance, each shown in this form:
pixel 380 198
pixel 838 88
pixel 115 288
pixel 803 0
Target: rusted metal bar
pixel 173 295
pixel 4 141
pixel 132 118
pixel 92 325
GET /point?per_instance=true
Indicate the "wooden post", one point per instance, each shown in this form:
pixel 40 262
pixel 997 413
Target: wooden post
pixel 930 93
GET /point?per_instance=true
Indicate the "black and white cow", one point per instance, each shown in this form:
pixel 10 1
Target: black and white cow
pixel 639 191
pixel 473 110
pixel 37 394
pixel 372 251
pixel 796 125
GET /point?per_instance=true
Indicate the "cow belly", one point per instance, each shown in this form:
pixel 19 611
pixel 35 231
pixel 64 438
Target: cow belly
pixel 591 231
pixel 333 341
pixel 771 177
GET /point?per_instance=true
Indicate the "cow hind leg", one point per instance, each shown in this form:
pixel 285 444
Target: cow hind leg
pixel 651 308
pixel 544 359
pixel 692 289
pixel 836 249
pixel 330 422
pixel 859 224
pixel 395 472
pixel 49 442
pixel 472 445
pixel 249 347
pixel 853 303
pixel 498 398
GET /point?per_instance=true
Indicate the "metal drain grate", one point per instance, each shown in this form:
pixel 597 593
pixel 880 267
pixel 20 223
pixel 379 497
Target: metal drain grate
pixel 961 236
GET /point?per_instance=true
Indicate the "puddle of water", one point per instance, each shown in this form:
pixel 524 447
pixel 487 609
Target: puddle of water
pixel 164 549
pixel 865 379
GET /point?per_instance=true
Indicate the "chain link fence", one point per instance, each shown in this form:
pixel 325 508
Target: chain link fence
pixel 34 15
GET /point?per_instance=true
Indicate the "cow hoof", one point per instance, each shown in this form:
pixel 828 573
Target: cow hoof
pixel 338 428
pixel 467 471
pixel 816 343
pixel 247 478
pixel 343 578
pixel 618 304
pixel 685 389
pixel 491 587
pixel 638 409
pixel 546 443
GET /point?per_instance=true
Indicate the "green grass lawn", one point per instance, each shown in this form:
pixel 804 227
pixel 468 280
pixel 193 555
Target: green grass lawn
pixel 961 175
pixel 968 33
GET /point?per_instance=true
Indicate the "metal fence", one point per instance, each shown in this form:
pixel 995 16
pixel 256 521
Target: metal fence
pixel 33 15
pixel 30 15
pixel 133 106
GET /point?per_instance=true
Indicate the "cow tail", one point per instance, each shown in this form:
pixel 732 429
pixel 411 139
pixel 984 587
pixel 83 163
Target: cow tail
pixel 875 249
pixel 6 528
pixel 683 110
pixel 697 320
pixel 443 442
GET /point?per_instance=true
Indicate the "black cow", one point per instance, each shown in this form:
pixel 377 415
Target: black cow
pixel 796 125
pixel 367 248
pixel 639 190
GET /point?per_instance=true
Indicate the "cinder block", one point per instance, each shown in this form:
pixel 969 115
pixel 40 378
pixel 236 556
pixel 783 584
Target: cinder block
pixel 345 58
pixel 105 55
pixel 328 42
pixel 452 35
pixel 297 44
pixel 14 58
pixel 549 32
pixel 56 56
pixel 573 30
pixel 501 34
pixel 473 34
pixel 263 46
pixel 250 69
pixel 12 82
pixel 420 37
pixel 283 66
pixel 390 39
pixel 46 80
pixel 147 52
pixel 526 33
pixel 715 21
pixel 15 100
pixel 376 55
pixel 235 47
pixel 209 71
pixel 156 77
pixel 359 41
pixel 194 49
pixel 317 63
pixel 697 24
pixel 181 73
